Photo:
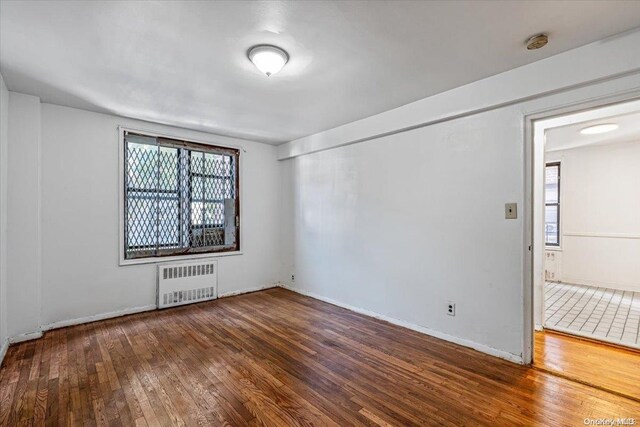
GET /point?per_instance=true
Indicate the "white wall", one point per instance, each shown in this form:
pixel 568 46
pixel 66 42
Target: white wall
pixel 23 215
pixel 4 121
pixel 400 224
pixel 600 215
pixel 63 219
pixel 80 271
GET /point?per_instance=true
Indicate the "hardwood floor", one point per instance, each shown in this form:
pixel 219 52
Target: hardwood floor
pixel 277 358
pixel 608 367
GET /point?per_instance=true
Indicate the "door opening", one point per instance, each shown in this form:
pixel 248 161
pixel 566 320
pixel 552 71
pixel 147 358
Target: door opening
pixel 586 245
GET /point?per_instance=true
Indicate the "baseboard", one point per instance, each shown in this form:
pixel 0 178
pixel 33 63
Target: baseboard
pixel 456 340
pixel 96 317
pixel 630 287
pixel 579 334
pixel 3 350
pixel 117 313
pixel 25 337
pixel 88 319
pixel 246 291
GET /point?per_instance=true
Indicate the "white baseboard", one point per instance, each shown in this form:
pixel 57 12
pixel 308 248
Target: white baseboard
pixel 117 313
pixel 3 350
pixel 25 337
pixel 456 340
pixel 632 287
pixel 96 317
pixel 246 291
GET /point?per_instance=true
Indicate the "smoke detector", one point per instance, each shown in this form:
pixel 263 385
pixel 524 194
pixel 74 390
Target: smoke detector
pixel 537 41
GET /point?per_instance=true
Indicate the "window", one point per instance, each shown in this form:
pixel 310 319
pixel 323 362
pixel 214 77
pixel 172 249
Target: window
pixel 179 197
pixel 552 204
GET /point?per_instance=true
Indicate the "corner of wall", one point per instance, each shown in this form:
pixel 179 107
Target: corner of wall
pixel 4 118
pixel 23 262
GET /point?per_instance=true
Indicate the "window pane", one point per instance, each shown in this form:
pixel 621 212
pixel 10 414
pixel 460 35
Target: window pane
pixel 196 162
pixel 141 224
pixel 214 214
pixel 197 188
pixel 175 196
pixel 229 190
pixel 216 189
pixel 551 225
pixel 551 184
pixel 168 223
pixel 168 169
pixel 142 166
pixel 197 212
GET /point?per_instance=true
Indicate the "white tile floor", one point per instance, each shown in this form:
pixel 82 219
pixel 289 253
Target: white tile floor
pixel 599 313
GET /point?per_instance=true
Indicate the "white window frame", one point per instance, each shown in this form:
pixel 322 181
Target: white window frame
pixel 122 130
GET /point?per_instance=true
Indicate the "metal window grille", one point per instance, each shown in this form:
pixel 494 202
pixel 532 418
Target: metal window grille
pixel 180 197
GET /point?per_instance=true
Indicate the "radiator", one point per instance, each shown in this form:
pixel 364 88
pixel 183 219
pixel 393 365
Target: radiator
pixel 186 283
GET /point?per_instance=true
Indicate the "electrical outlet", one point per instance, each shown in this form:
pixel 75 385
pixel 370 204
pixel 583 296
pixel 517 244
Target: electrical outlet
pixel 451 308
pixel 293 277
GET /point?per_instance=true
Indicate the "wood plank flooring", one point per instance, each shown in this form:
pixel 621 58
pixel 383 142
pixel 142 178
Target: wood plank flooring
pixel 612 368
pixel 277 358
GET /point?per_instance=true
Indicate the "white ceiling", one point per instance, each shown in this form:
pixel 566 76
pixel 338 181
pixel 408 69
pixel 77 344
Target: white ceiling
pixel 184 63
pixel 568 137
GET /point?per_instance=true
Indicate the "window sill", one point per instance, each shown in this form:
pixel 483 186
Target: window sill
pixel 177 258
pixel 553 248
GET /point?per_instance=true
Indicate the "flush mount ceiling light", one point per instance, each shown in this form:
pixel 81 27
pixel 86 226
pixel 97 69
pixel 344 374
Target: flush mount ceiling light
pixel 537 41
pixel 603 128
pixel 268 59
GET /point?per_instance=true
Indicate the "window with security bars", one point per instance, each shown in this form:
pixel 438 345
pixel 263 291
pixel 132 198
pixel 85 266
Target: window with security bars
pixel 180 197
pixel 552 204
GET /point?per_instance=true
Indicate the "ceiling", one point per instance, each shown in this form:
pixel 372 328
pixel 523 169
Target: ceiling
pixel 568 137
pixel 184 63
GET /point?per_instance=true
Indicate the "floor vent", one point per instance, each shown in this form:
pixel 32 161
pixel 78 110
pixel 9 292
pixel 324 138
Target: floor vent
pixel 180 284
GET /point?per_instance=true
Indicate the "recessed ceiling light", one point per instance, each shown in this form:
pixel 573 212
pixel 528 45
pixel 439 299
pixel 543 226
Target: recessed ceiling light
pixel 603 128
pixel 268 59
pixel 537 41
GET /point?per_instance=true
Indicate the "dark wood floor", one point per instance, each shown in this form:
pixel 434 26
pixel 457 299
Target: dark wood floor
pixel 608 367
pixel 277 358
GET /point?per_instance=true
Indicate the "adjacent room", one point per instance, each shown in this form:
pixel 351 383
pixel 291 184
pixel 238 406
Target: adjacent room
pixel 592 229
pixel 588 295
pixel 376 213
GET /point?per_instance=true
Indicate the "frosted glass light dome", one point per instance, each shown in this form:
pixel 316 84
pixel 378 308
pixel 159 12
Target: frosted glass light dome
pixel 268 59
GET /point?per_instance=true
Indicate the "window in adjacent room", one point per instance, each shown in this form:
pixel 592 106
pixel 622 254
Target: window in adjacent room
pixel 180 197
pixel 552 204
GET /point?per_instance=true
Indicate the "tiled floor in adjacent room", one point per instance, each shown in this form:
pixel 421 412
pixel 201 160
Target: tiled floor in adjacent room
pixel 599 313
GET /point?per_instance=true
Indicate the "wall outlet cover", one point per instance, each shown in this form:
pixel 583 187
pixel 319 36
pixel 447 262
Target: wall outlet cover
pixel 511 210
pixel 451 308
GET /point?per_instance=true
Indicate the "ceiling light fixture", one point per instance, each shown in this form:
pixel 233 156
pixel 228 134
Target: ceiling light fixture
pixel 537 41
pixel 268 59
pixel 603 128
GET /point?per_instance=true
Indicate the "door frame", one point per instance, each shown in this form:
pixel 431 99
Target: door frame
pixel 530 165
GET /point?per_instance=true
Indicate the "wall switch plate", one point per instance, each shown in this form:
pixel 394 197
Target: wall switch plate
pixel 451 308
pixel 511 210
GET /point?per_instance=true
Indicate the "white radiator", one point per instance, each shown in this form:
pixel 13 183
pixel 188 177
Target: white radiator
pixel 186 283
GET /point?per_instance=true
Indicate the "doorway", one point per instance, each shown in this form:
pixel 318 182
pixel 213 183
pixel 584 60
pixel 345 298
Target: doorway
pixel 586 225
